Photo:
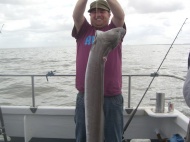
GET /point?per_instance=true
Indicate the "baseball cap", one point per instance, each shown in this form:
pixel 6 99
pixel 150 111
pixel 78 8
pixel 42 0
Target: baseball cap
pixel 100 4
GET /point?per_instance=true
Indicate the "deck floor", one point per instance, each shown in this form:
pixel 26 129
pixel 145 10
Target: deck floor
pixel 21 139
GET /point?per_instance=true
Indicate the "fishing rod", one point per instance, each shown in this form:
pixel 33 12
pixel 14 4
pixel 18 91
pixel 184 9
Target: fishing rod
pixel 155 74
pixel 1 28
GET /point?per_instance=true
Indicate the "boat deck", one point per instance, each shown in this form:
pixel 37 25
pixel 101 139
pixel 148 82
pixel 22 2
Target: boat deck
pixel 19 139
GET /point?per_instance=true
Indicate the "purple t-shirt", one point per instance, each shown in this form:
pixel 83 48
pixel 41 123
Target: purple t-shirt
pixel 113 66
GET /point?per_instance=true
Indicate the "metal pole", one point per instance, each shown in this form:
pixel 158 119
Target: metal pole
pixel 33 94
pixel 3 126
pixel 129 93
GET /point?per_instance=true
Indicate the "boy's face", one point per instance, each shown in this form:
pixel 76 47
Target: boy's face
pixel 99 18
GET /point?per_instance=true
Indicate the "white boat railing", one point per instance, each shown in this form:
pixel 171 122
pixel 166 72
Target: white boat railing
pixel 53 75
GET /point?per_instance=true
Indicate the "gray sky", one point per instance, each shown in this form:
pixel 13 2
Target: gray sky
pixel 48 23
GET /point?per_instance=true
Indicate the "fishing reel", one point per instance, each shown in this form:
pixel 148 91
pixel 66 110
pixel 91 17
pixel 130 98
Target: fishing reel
pixel 50 73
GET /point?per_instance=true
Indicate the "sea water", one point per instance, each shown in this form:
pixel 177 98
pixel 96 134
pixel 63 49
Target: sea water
pixel 60 91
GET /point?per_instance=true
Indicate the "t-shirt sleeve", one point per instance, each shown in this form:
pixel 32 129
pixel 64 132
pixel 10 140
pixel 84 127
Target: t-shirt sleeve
pixel 76 34
pixel 112 25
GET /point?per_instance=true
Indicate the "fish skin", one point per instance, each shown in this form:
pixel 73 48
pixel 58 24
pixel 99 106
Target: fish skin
pixel 94 81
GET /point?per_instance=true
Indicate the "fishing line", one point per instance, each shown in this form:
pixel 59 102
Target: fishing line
pixel 96 8
pixel 154 75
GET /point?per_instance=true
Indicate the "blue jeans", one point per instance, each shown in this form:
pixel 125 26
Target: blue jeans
pixel 113 113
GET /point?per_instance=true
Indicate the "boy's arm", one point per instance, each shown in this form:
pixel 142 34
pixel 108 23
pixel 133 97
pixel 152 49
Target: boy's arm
pixel 78 13
pixel 118 13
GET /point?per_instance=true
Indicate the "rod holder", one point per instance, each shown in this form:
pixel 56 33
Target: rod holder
pixel 160 102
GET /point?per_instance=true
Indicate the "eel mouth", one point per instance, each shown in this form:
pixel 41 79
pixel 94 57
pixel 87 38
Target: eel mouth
pixel 105 54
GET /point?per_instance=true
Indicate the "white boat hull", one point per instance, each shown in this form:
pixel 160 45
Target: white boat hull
pixel 58 122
